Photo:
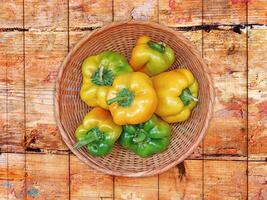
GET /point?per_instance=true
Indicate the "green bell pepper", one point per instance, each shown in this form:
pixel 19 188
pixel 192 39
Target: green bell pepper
pixel 152 136
pixel 98 132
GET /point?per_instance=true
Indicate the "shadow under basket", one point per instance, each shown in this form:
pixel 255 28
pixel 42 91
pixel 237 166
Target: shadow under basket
pixel 121 37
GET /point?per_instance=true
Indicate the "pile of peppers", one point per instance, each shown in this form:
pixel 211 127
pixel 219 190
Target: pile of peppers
pixel 134 101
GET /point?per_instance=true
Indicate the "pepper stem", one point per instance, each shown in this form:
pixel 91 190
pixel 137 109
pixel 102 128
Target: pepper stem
pixel 116 99
pixel 101 69
pixel 140 137
pixel 160 47
pixel 90 137
pixel 187 96
pixel 124 98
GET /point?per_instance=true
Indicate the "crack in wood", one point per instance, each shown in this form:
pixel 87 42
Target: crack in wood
pixel 13 29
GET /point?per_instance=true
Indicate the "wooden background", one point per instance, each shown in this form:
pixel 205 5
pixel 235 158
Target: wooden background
pixel 230 164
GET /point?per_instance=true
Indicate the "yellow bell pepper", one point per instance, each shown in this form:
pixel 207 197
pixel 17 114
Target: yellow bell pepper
pixel 98 73
pixel 150 57
pixel 177 92
pixel 132 98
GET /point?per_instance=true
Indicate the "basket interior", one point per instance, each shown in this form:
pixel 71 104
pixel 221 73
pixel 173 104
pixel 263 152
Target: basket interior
pixel 122 38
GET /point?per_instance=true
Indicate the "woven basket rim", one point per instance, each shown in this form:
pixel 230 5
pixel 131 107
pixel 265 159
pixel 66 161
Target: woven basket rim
pixel 151 172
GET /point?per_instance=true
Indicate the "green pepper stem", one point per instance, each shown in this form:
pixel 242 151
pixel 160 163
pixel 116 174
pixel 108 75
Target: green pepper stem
pixel 193 98
pixel 116 99
pixel 101 72
pixel 140 137
pixel 124 98
pixel 91 137
pixel 186 96
pixel 160 47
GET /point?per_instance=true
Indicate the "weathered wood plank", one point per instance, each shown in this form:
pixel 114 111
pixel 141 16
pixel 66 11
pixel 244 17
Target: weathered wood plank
pixel 224 12
pixel 257 11
pixel 225 55
pixel 44 52
pixel 87 183
pixel 3 177
pixel 46 15
pixel 11 14
pixel 75 36
pixel 89 13
pixel 47 176
pixel 46 45
pixel 12 90
pixel 225 180
pixel 16 176
pixel 139 10
pixel 176 13
pixel 257 63
pixel 145 188
pixel 12 176
pixel 257 179
pixel 182 182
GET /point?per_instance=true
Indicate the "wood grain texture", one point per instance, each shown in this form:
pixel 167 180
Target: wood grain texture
pixel 3 177
pixel 89 13
pixel 146 10
pixel 16 176
pixel 257 180
pixel 136 188
pixel 177 13
pixel 44 52
pixel 75 36
pixel 12 91
pixel 12 176
pixel 46 15
pixel 225 12
pixel 225 55
pixel 47 176
pixel 87 183
pixel 11 14
pixel 257 12
pixel 225 180
pixel 182 182
pixel 257 63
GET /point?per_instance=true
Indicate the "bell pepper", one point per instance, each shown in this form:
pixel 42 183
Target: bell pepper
pixel 132 98
pixel 177 92
pixel 97 132
pixel 151 57
pixel 147 138
pixel 98 73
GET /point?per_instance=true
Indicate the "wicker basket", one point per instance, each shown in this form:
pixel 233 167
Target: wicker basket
pixel 121 37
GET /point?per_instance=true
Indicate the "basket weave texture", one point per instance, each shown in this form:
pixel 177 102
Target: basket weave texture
pixel 121 37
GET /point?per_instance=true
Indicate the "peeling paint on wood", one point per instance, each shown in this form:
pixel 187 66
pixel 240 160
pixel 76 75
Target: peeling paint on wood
pixel 46 15
pixel 257 180
pixel 11 14
pixel 87 183
pixel 257 12
pixel 47 176
pixel 146 10
pixel 227 132
pixel 136 188
pixel 257 75
pixel 225 180
pixel 177 13
pixel 12 174
pixel 224 12
pixel 89 13
pixel 12 86
pixel 182 182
